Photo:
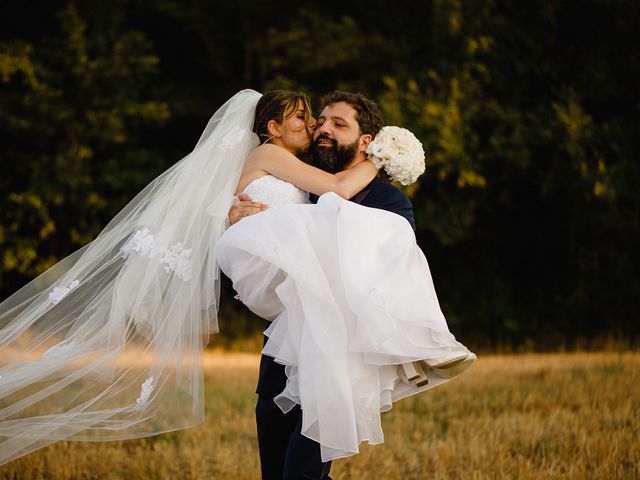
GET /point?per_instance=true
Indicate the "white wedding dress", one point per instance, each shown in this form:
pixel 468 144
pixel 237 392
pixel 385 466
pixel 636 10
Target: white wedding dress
pixel 351 298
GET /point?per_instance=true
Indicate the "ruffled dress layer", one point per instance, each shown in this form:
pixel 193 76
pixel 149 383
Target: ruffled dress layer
pixel 350 296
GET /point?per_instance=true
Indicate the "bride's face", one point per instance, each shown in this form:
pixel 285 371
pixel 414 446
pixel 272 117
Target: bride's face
pixel 297 131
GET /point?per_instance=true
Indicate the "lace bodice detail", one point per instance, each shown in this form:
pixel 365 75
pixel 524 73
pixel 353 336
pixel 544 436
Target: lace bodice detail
pixel 275 192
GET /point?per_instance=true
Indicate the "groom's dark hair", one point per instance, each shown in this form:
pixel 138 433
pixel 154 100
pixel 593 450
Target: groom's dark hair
pixel 369 116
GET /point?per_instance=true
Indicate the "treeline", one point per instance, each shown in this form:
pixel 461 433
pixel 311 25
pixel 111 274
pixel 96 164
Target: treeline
pixel 529 113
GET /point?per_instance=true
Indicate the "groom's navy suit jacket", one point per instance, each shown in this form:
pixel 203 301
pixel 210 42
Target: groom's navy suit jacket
pixel 378 194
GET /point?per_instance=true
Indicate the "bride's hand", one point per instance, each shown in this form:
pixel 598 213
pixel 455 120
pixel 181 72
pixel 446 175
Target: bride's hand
pixel 244 207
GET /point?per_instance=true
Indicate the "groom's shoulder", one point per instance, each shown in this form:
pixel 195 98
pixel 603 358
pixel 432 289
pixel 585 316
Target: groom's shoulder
pixel 386 196
pixel 386 192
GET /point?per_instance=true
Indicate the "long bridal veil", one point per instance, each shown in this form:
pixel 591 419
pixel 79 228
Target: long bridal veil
pixel 107 344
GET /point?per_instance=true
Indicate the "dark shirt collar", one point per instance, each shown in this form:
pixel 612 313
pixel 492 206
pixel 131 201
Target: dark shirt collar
pixel 359 197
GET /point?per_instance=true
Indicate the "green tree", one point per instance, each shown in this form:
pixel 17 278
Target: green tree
pixel 73 105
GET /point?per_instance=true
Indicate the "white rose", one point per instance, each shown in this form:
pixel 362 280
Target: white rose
pixel 399 152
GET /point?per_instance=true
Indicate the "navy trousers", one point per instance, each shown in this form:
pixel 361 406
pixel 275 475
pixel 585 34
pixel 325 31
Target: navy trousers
pixel 284 452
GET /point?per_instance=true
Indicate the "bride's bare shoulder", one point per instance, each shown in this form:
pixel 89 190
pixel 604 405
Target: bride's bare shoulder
pixel 257 164
pixel 266 151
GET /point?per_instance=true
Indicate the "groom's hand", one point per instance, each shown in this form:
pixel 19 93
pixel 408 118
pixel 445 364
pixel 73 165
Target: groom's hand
pixel 244 207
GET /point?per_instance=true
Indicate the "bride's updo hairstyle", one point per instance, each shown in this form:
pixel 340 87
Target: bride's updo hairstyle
pixel 278 105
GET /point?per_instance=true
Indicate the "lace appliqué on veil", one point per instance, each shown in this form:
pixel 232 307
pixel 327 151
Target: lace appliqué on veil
pixel 58 293
pixel 145 393
pixel 176 258
pixel 143 243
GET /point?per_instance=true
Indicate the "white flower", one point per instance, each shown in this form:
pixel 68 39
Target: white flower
pixel 178 259
pixel 143 243
pixel 399 152
pixel 58 293
pixel 145 392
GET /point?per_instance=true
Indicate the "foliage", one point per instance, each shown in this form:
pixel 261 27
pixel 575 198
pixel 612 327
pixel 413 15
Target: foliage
pixel 528 211
pixel 73 105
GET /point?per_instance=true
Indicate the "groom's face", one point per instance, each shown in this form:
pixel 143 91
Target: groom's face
pixel 336 140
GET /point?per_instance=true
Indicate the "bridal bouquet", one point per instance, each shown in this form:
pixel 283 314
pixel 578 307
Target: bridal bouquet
pixel 399 152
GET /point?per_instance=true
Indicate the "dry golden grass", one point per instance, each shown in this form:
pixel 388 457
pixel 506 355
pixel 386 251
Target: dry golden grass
pixel 542 416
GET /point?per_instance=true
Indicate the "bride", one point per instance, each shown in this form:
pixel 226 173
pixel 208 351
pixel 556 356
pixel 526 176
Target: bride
pixel 355 318
pixel 107 344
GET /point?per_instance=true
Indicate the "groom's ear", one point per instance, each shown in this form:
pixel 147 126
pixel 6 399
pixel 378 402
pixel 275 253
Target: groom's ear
pixel 274 129
pixel 365 140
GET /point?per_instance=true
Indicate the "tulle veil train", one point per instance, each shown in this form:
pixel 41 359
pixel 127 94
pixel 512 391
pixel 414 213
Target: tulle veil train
pixel 107 344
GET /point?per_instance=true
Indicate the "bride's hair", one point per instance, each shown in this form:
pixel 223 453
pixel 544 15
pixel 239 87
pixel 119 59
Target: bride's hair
pixel 277 105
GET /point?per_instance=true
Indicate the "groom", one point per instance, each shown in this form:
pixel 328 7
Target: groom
pixel 348 122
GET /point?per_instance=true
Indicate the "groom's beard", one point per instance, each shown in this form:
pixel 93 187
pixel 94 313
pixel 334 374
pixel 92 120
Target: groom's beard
pixel 333 159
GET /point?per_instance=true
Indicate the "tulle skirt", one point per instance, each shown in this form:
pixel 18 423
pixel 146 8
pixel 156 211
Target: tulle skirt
pixel 350 297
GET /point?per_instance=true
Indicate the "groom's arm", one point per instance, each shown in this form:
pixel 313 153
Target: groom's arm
pixel 244 207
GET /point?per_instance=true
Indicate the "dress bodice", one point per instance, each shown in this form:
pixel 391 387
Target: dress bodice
pixel 275 192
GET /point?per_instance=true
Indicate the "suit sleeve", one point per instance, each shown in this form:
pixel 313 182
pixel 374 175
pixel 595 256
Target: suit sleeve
pixel 400 204
pixel 387 197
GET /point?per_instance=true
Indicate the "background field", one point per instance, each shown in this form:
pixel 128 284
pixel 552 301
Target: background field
pixel 542 416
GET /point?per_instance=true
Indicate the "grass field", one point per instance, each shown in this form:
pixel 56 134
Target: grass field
pixel 542 416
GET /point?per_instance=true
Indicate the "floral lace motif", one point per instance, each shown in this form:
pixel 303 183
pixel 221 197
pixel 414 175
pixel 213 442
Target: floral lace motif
pixel 145 393
pixel 58 293
pixel 143 243
pixel 176 258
